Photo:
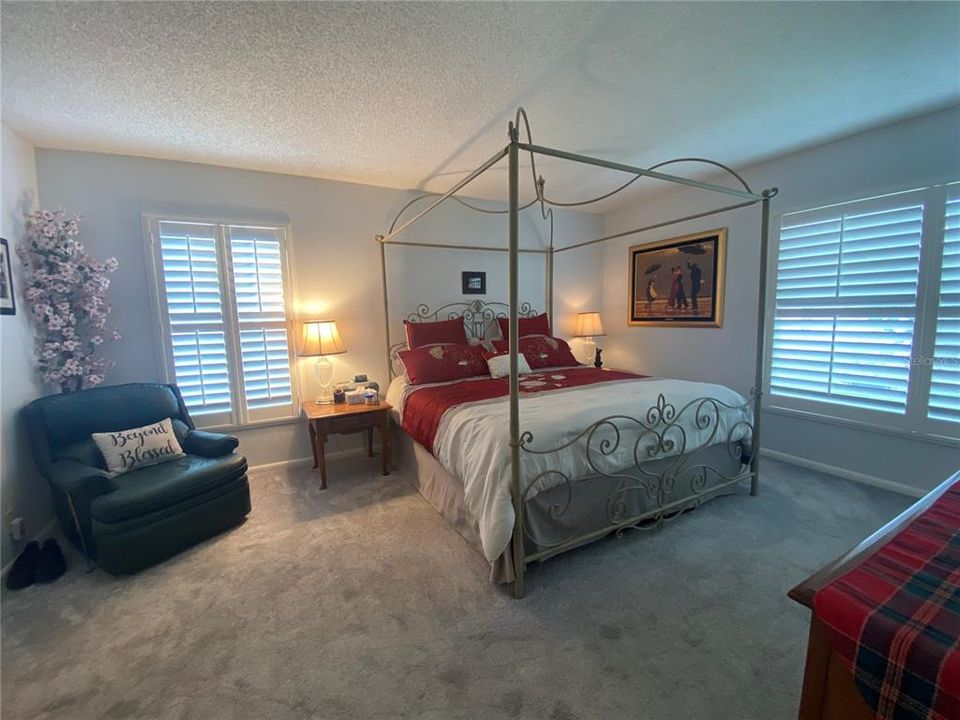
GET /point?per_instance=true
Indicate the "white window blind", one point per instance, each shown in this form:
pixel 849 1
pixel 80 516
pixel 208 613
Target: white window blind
pixel 846 298
pixel 945 376
pixel 258 280
pixel 224 305
pixel 192 288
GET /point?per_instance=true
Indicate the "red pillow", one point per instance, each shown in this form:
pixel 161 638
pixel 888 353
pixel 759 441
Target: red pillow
pixel 542 352
pixel 435 333
pixel 536 325
pixel 440 363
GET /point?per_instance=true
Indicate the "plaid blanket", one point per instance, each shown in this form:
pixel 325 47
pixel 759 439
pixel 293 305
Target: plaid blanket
pixel 895 618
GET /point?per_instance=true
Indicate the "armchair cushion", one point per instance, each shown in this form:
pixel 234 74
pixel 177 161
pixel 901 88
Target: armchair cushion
pixel 153 488
pixel 85 452
pixel 209 444
pixel 71 476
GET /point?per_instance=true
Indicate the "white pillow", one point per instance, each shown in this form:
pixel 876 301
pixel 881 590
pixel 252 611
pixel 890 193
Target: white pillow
pixel 127 450
pixel 500 365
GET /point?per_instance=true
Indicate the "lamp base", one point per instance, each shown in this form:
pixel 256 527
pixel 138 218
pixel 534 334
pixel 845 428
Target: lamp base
pixel 324 372
pixel 589 350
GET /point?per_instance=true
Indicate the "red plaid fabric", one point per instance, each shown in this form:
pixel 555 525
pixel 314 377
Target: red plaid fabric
pixel 895 618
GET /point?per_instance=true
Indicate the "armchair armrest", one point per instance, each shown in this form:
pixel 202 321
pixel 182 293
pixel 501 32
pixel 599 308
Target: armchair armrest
pixel 71 476
pixel 209 444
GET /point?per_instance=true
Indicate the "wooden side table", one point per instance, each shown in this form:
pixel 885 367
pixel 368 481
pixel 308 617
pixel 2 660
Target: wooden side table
pixel 325 420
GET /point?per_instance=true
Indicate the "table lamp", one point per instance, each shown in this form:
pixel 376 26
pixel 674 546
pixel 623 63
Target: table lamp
pixel 588 327
pixel 320 338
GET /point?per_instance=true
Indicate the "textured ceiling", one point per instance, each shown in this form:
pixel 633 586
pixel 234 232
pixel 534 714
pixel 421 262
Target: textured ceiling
pixel 414 94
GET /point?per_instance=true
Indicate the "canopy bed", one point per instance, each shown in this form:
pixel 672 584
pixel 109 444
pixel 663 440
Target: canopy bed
pixel 588 452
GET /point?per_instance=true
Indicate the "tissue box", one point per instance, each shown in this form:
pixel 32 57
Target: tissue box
pixel 355 397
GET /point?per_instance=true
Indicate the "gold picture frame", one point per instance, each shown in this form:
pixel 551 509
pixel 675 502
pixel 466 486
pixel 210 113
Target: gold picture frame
pixel 678 282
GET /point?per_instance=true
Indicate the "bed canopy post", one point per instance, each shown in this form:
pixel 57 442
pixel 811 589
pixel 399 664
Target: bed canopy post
pixel 514 335
pixel 549 293
pixel 386 303
pixel 761 340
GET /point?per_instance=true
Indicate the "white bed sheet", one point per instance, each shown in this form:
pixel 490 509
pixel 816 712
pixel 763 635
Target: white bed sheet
pixel 472 441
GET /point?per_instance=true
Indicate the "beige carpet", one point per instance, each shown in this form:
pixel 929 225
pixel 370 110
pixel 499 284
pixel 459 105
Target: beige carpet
pixel 360 602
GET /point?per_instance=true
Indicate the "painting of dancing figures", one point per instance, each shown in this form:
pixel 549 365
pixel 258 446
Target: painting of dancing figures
pixel 678 282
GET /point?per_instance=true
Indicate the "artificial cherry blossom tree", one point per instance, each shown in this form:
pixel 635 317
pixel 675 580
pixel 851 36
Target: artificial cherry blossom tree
pixel 65 289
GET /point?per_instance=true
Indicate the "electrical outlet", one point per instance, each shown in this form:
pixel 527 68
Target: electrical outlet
pixel 14 526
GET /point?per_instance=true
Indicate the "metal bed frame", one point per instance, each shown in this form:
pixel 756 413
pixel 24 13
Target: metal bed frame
pixel 662 460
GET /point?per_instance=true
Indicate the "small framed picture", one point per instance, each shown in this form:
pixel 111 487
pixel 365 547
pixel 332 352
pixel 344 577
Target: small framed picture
pixel 8 305
pixel 474 283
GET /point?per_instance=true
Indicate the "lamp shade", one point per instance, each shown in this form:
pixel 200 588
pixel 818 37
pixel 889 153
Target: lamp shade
pixel 320 337
pixel 588 325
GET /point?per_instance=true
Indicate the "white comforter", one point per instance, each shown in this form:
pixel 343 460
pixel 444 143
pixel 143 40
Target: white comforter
pixel 472 442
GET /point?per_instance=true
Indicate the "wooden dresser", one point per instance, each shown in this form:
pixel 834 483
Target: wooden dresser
pixel 829 692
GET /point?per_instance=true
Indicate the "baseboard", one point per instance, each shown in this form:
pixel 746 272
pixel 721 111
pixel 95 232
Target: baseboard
pixel 845 474
pixel 46 532
pixel 297 462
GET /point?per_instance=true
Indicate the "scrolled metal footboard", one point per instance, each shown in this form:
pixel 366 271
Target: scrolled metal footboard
pixel 653 466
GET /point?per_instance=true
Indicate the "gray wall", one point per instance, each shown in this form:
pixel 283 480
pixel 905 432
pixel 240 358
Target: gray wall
pixel 904 155
pixel 334 258
pixel 22 491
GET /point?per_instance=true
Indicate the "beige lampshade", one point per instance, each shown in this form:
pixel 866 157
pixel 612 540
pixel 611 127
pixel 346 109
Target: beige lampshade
pixel 589 325
pixel 320 337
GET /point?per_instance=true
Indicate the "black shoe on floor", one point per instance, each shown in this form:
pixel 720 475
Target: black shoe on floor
pixel 23 573
pixel 52 564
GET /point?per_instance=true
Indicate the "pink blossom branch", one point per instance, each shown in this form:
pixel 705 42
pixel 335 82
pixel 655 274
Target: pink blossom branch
pixel 66 292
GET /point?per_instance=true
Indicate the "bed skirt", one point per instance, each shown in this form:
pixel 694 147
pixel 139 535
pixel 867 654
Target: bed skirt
pixel 583 503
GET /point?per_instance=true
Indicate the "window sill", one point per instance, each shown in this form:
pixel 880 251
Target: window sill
pixel 926 437
pixel 255 425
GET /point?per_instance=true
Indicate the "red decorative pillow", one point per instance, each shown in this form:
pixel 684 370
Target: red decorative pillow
pixel 536 325
pixel 542 352
pixel 443 332
pixel 440 363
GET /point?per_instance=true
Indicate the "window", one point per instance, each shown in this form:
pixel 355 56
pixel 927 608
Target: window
pixel 855 285
pixel 222 302
pixel 945 375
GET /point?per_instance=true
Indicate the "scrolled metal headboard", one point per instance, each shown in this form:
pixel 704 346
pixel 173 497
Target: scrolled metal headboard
pixel 478 316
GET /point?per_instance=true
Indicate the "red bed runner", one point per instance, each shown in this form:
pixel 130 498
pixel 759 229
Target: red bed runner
pixel 425 406
pixel 895 618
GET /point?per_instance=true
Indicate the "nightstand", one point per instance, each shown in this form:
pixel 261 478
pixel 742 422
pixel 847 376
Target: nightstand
pixel 325 420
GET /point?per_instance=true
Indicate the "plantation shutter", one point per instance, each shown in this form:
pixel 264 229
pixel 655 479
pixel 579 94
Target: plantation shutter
pixel 944 403
pixel 192 293
pixel 257 260
pixel 846 298
pixel 223 304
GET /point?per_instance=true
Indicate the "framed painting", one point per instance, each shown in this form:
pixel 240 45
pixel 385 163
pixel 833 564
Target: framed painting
pixel 8 305
pixel 678 282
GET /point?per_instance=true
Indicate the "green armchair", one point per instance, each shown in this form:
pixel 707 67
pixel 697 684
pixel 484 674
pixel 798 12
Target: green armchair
pixel 130 521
